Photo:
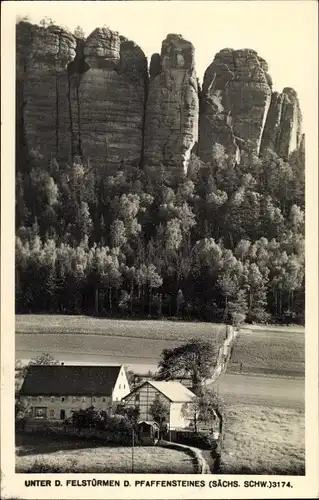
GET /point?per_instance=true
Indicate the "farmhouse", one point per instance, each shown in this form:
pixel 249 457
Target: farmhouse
pixel 174 394
pixel 54 392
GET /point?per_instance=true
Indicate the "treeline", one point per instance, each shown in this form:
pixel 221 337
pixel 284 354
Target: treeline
pixel 223 243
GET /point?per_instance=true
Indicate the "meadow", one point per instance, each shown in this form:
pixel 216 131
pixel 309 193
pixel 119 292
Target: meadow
pixel 263 440
pixel 40 454
pixel 82 339
pixel 144 329
pixel 269 351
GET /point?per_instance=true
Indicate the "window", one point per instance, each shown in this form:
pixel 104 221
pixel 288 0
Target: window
pixel 120 386
pixel 52 399
pixel 40 412
pixel 51 413
pixel 83 400
pixel 103 400
pixel 62 399
pixel 74 398
pixel 93 400
pixel 137 397
pixel 40 398
pixel 124 386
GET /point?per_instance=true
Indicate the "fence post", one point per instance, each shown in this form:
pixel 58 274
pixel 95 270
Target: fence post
pixel 133 439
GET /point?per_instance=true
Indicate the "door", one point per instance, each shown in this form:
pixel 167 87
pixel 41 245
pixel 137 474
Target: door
pixel 62 414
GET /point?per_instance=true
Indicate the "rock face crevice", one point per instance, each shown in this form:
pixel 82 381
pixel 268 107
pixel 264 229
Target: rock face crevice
pixel 75 70
pixel 95 98
pixel 171 121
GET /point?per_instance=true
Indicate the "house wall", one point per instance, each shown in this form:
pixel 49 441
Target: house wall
pixel 143 398
pixel 121 387
pixel 177 420
pixel 51 406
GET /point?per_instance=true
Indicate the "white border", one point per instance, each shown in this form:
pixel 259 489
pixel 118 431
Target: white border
pixel 12 484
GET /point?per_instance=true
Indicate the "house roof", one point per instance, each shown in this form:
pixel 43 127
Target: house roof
pixel 70 380
pixel 148 422
pixel 174 391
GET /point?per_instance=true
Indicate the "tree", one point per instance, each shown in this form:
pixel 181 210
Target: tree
pixel 147 276
pixel 159 410
pixel 238 308
pixel 118 233
pixel 19 374
pixel 131 413
pixel 195 359
pixel 79 33
pixel 133 379
pixel 44 359
pixel 46 21
pixel 179 301
pixel 205 408
pixel 257 294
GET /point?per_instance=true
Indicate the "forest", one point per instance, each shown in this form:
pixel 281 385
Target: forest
pixel 222 243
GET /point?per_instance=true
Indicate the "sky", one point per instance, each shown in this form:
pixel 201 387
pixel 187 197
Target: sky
pixel 281 31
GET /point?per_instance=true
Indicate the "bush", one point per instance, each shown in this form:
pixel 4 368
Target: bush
pixel 198 440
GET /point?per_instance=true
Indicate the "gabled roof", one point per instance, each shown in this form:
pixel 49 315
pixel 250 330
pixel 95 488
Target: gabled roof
pixel 67 380
pixel 174 391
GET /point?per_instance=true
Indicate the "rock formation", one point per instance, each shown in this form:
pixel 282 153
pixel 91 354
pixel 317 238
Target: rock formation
pixel 42 56
pixel 109 99
pixel 282 131
pixel 93 98
pixel 82 98
pixel 234 103
pixel 171 119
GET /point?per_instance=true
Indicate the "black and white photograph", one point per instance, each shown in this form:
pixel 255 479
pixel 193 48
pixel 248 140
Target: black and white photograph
pixel 159 241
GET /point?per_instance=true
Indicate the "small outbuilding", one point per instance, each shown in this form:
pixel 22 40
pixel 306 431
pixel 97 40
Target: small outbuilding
pixel 147 433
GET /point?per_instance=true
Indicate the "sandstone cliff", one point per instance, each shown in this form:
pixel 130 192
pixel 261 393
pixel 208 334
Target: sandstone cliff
pixel 282 131
pixel 42 86
pixel 109 99
pixel 81 97
pixel 95 98
pixel 171 119
pixel 234 104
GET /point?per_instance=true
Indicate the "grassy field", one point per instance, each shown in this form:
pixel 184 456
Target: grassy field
pixel 262 390
pixel 263 440
pixel 144 329
pixel 273 352
pixel 34 454
pixel 86 340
